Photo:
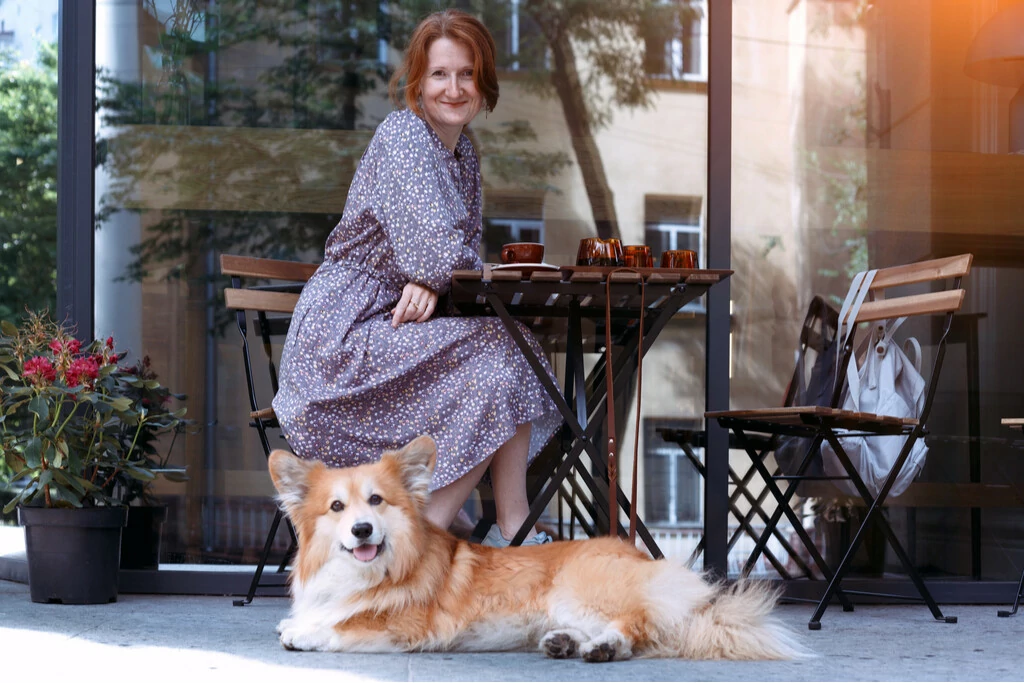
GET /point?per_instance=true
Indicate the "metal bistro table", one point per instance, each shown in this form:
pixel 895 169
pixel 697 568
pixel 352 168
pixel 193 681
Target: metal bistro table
pixel 539 298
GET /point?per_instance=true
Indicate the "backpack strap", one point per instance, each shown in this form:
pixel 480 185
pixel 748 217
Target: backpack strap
pixel 859 288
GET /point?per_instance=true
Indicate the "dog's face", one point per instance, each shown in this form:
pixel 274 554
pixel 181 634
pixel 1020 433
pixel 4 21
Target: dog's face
pixel 355 518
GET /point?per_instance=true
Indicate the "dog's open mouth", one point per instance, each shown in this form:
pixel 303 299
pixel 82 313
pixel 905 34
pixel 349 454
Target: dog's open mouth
pixel 366 552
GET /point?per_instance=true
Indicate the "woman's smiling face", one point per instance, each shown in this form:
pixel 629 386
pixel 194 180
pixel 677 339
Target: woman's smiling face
pixel 450 96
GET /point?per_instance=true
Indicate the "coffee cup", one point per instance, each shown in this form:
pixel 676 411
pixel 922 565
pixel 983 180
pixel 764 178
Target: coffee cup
pixel 679 258
pixel 522 252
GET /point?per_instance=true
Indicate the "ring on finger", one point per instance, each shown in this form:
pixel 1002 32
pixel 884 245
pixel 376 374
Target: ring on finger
pixel 415 304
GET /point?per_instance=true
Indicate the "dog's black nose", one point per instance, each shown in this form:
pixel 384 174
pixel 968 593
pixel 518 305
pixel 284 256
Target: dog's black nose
pixel 362 530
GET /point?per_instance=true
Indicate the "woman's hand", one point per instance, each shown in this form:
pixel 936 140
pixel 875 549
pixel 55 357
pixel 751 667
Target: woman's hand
pixel 416 305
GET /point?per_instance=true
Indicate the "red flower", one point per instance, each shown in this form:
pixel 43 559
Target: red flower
pixel 39 369
pixel 82 371
pixel 110 343
pixel 74 346
pixel 56 346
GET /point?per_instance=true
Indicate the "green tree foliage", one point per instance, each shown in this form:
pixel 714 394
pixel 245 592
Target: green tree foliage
pixel 28 183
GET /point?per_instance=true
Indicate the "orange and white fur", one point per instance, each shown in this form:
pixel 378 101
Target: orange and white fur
pixel 372 575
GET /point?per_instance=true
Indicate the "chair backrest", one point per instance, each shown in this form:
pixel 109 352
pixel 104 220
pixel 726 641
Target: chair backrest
pixel 946 302
pixel 271 306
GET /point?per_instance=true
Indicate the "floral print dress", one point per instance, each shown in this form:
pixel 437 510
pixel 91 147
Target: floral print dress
pixel 351 386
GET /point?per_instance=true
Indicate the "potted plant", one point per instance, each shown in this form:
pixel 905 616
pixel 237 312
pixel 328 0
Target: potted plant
pixel 141 444
pixel 63 405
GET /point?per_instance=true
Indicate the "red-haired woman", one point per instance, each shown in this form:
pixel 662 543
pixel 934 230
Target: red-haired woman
pixel 367 366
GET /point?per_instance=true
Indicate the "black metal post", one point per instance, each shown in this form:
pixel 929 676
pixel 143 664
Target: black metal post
pixel 76 67
pixel 719 242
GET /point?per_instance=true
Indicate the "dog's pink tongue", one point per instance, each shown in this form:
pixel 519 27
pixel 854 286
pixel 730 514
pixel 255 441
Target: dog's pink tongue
pixel 365 553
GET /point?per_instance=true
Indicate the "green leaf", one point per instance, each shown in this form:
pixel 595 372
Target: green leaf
pixel 10 330
pixel 60 455
pixel 11 373
pixel 33 452
pixel 40 407
pixel 121 404
pixel 45 478
pixel 140 475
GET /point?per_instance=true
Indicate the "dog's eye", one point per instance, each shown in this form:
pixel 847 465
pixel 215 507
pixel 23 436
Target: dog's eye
pixel 337 506
pixel 376 500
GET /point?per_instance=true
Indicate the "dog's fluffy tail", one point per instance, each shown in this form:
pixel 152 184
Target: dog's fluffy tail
pixel 721 622
pixel 739 624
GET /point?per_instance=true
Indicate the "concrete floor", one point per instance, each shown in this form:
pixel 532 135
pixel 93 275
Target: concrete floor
pixel 190 638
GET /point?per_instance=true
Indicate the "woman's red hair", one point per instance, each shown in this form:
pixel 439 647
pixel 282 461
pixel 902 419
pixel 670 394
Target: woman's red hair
pixel 461 28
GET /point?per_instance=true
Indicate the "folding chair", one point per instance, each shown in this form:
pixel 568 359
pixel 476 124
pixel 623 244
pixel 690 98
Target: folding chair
pixel 818 424
pixel 271 307
pixel 816 334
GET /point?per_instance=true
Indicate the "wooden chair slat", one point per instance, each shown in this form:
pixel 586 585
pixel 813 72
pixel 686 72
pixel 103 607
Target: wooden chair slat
pixel 270 269
pixel 468 275
pixel 925 271
pixel 931 494
pixel 263 414
pixel 916 304
pixel 1013 421
pixel 798 415
pixel 255 300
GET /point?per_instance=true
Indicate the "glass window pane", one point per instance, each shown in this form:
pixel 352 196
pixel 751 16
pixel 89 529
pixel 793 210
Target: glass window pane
pixel 872 135
pixel 222 130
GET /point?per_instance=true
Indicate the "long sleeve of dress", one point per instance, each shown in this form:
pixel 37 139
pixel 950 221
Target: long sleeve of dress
pixel 422 200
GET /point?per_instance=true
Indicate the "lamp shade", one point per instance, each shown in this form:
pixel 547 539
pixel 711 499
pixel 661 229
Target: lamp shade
pixel 997 54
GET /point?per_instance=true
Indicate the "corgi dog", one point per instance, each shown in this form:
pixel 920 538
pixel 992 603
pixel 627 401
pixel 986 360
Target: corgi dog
pixel 373 575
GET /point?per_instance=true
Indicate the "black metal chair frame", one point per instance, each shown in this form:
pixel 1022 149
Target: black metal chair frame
pixel 688 439
pixel 263 420
pixel 819 426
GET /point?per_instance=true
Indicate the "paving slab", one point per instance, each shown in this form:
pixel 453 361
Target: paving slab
pixel 198 638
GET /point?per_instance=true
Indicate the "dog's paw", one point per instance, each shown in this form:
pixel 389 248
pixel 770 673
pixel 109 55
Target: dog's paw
pixel 306 640
pixel 607 647
pixel 598 652
pixel 283 625
pixel 560 644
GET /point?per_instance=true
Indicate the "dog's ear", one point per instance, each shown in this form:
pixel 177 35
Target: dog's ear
pixel 416 462
pixel 290 476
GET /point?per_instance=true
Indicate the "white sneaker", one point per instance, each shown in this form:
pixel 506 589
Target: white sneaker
pixel 494 539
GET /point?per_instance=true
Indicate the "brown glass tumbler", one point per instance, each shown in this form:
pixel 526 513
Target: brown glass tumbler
pixel 637 256
pixel 679 258
pixel 595 251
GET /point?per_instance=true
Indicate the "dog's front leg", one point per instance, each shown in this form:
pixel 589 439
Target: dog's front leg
pixel 307 637
pixel 339 638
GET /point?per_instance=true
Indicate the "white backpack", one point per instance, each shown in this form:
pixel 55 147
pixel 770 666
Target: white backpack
pixel 889 383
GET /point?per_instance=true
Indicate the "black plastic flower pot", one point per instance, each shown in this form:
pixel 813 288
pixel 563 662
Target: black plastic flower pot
pixel 140 538
pixel 73 554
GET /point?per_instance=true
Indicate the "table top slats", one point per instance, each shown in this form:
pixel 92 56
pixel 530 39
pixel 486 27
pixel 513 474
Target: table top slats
pixel 550 293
